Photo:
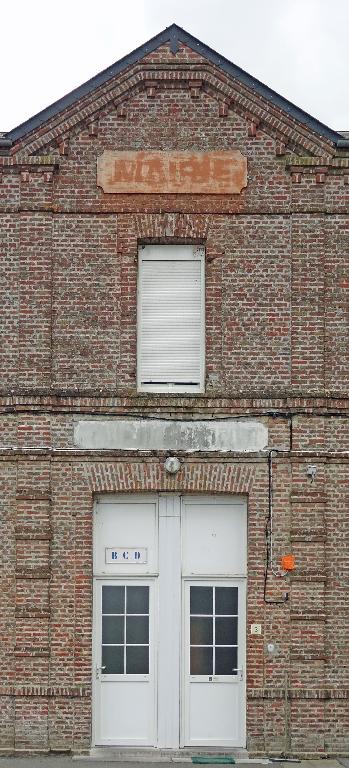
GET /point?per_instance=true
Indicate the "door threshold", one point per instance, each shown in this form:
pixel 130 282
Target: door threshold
pixel 160 755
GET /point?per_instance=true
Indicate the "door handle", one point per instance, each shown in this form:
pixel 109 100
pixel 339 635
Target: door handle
pixel 99 670
pixel 240 671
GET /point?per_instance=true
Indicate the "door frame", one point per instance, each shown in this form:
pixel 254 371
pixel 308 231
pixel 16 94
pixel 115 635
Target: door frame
pixel 96 644
pixel 153 578
pixel 242 636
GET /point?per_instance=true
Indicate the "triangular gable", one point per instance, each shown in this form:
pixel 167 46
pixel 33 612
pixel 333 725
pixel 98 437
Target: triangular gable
pixel 175 36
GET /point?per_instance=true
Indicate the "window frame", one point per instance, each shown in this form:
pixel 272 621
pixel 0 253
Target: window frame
pixel 148 252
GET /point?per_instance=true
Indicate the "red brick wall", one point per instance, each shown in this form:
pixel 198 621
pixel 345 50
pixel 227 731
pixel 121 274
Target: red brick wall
pixel 276 347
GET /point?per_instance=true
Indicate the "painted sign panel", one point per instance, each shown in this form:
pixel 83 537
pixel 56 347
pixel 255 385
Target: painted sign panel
pixel 211 173
pixel 126 555
pixel 240 435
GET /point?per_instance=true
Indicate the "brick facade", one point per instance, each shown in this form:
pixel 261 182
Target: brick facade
pixel 276 348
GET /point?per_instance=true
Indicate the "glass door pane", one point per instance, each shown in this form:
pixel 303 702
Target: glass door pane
pixel 213 630
pixel 125 630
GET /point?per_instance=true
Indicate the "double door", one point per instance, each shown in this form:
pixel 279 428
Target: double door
pixel 169 648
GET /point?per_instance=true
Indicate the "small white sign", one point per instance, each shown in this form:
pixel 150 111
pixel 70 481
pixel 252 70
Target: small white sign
pixel 124 555
pixel 256 629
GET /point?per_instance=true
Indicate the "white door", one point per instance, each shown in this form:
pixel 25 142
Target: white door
pixel 125 669
pixel 169 607
pixel 214 655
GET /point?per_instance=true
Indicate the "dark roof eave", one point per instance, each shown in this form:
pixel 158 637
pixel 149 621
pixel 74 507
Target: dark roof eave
pixel 173 34
pixel 87 87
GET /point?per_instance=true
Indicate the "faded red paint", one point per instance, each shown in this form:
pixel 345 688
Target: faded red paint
pixel 212 173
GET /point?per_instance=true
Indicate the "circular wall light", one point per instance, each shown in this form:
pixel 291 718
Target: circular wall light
pixel 172 465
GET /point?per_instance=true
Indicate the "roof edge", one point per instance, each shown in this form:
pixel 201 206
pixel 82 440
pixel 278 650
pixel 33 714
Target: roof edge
pixel 83 90
pixel 173 34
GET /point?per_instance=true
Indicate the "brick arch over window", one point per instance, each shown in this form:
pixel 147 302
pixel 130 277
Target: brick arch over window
pixel 177 225
pixel 193 477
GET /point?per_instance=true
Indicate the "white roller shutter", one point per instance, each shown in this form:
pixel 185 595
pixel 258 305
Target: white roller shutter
pixel 171 318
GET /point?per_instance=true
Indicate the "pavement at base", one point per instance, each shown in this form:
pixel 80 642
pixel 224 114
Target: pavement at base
pixel 54 761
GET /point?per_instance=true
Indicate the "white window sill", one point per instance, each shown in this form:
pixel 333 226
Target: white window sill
pixel 171 389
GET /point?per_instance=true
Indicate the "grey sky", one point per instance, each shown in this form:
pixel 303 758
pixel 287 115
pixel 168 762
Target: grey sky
pixel 297 47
